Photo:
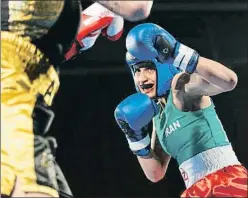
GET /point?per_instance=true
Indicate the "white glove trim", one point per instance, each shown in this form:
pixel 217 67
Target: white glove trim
pixel 135 146
pixel 183 57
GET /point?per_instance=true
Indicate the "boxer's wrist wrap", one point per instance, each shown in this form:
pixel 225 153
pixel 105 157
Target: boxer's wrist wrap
pixel 186 59
pixel 192 63
pixel 143 152
pixel 141 147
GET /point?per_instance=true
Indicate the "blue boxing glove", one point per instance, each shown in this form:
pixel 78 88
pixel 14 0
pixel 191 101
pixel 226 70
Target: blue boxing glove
pixel 149 41
pixel 133 115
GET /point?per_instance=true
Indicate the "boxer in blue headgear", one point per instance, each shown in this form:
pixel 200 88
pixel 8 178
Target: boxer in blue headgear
pixel 141 56
pixel 164 72
pixel 185 124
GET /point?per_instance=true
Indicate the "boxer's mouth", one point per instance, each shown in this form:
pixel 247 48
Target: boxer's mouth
pixel 146 88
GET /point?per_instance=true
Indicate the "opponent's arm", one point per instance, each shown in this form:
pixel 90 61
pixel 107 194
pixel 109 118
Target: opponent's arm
pixel 129 10
pixel 156 163
pixel 96 20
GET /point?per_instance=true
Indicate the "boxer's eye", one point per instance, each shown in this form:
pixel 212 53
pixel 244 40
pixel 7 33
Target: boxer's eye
pixel 137 72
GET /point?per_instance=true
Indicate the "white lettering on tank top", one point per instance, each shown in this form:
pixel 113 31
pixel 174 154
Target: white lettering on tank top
pixel 172 127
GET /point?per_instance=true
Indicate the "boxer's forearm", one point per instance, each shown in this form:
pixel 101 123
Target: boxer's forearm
pixel 216 74
pixel 152 166
pixel 129 10
pixel 156 163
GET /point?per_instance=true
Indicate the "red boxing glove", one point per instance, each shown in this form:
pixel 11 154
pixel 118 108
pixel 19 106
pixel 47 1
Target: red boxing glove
pixel 96 20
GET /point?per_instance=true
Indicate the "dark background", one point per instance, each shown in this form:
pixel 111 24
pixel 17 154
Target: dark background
pixel 93 152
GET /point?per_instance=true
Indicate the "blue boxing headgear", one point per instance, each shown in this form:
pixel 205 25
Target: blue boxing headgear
pixel 165 73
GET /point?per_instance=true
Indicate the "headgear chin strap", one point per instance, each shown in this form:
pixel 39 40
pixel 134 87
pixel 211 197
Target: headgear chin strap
pixel 165 73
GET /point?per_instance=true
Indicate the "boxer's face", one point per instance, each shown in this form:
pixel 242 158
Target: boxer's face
pixel 145 79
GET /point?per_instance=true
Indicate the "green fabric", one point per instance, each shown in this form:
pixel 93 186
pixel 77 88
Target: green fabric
pixel 185 134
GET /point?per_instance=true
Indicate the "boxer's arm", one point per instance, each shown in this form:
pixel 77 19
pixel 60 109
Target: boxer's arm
pixel 129 10
pixel 156 163
pixel 210 78
pixel 216 74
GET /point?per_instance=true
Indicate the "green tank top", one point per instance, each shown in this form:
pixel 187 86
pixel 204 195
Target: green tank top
pixel 185 134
